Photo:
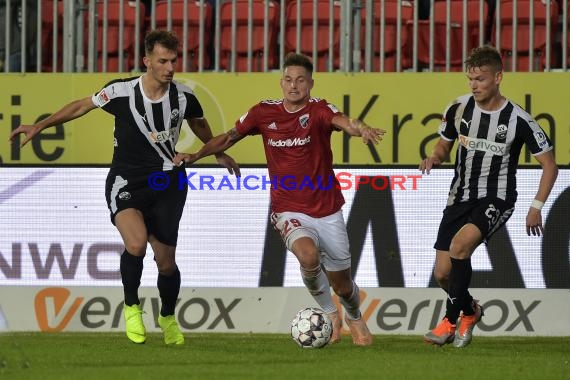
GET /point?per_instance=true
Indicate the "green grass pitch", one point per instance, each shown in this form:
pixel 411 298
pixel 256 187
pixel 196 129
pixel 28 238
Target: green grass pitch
pixel 213 356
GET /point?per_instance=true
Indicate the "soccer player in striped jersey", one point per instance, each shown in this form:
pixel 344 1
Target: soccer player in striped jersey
pixel 491 131
pixel 306 209
pixel 149 111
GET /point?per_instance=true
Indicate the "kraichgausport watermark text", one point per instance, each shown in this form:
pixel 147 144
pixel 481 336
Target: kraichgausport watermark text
pixel 342 181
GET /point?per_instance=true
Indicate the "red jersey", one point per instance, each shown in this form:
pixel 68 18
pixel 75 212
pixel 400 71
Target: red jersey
pixel 299 157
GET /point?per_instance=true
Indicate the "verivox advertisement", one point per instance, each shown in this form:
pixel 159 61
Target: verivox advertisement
pixel 270 310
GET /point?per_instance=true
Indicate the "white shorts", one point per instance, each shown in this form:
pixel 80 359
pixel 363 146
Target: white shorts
pixel 328 233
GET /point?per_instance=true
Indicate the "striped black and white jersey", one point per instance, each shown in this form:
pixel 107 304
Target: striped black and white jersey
pixel 489 147
pixel 146 131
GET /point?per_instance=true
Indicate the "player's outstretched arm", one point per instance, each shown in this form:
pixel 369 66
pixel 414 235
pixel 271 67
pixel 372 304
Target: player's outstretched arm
pixel 547 179
pixel 439 154
pixel 355 127
pixel 202 130
pixel 68 112
pixel 215 145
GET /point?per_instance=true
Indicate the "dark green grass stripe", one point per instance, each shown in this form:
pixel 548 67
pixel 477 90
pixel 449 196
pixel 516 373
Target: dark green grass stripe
pixel 86 356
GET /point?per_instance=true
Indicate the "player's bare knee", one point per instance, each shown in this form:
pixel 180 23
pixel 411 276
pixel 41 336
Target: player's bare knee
pixel 166 269
pixel 136 248
pixel 442 278
pixel 459 249
pixel 308 259
pixel 440 274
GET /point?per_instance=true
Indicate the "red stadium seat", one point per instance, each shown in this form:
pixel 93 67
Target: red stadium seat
pixel 523 34
pixel 242 34
pixel 113 26
pixel 323 21
pixel 390 34
pixel 47 36
pixel 455 36
pixel 568 37
pixel 193 32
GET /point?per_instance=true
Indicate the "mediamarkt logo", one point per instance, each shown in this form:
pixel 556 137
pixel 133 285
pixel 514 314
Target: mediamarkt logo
pixel 289 142
pixel 483 145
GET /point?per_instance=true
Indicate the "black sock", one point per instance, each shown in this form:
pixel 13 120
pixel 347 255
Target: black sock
pixel 459 297
pixel 168 288
pixel 131 272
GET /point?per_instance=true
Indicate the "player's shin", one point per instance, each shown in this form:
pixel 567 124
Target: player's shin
pixel 318 285
pixel 168 288
pixel 459 279
pixel 352 303
pixel 131 271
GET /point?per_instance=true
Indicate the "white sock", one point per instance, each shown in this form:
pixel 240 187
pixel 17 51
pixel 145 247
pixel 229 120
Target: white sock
pixel 317 283
pixel 352 303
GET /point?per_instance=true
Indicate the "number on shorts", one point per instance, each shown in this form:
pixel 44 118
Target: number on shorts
pixel 288 225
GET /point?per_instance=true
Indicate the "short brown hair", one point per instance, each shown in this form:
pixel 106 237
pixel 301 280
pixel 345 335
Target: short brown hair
pixel 161 37
pixel 294 59
pixel 485 56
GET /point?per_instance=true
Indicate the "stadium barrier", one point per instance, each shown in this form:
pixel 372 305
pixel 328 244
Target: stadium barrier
pixel 508 312
pixel 409 107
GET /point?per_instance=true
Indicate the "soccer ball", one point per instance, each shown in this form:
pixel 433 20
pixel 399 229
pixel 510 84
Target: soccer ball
pixel 311 328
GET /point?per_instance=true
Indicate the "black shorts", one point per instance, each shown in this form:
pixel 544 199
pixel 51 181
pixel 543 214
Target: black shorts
pixel 161 208
pixel 488 214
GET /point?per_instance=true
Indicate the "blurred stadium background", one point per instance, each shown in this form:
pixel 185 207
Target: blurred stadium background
pixel 255 35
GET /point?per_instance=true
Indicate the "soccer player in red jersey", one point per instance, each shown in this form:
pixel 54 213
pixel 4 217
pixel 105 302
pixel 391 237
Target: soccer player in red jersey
pixel 306 199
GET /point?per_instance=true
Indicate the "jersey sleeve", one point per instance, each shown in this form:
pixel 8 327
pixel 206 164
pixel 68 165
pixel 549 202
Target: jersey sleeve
pixel 106 99
pixel 247 124
pixel 535 138
pixel 447 129
pixel 327 111
pixel 193 107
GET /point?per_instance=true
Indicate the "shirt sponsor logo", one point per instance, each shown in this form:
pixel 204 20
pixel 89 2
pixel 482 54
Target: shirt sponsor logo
pixel 289 143
pixel 162 136
pixel 483 145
